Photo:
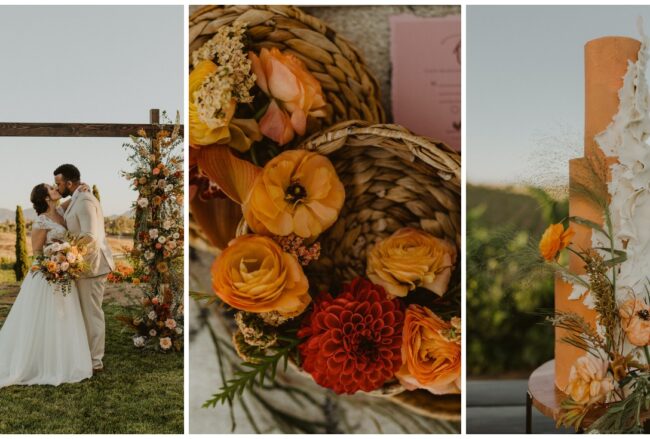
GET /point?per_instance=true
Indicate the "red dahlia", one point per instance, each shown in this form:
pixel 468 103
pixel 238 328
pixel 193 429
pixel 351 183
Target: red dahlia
pixel 353 342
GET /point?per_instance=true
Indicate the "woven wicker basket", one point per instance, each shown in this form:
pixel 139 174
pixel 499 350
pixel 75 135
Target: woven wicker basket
pixel 350 89
pixel 392 179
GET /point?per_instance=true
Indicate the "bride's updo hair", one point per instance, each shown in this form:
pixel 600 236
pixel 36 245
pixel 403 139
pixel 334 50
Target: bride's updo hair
pixel 39 196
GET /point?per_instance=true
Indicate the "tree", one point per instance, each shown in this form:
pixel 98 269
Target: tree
pixel 96 193
pixel 21 267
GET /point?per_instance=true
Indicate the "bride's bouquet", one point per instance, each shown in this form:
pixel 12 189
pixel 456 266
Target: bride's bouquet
pixel 61 263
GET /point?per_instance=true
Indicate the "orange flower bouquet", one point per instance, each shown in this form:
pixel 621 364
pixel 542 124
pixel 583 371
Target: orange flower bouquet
pixel 61 263
pixel 251 97
pixel 393 326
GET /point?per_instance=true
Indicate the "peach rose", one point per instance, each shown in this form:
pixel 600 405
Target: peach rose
pixel 297 192
pixel 431 352
pixel 212 108
pixel 589 381
pixel 410 258
pixel 635 320
pixel 253 274
pixel 295 94
pixel 555 239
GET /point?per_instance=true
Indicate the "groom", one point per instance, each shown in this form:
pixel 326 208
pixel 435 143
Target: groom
pixel 84 218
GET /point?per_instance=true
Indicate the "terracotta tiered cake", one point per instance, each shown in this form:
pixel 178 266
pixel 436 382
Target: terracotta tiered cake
pixel 607 61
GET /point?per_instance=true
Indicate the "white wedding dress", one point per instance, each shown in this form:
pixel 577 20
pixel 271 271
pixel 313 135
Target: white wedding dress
pixel 43 340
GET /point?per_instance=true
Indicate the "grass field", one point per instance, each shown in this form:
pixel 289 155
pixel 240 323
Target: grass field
pixel 140 391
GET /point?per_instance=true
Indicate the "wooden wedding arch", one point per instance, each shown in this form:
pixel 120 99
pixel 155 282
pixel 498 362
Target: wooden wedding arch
pixel 35 129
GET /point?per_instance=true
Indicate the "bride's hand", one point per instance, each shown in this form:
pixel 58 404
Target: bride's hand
pixel 84 187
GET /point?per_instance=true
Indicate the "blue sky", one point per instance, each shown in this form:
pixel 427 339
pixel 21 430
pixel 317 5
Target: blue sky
pixel 107 64
pixel 525 87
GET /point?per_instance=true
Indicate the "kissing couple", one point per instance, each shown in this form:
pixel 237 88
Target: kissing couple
pixel 49 337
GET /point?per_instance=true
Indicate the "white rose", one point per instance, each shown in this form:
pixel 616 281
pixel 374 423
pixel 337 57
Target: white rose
pixel 176 235
pixel 167 224
pixel 162 240
pixel 153 233
pixel 138 341
pixel 65 266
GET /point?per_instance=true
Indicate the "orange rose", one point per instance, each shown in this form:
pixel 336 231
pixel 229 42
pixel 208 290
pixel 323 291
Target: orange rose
pixel 212 107
pixel 635 320
pixel 410 258
pixel 555 239
pixel 589 381
pixel 253 274
pixel 430 352
pixel 52 266
pixel 295 94
pixel 297 192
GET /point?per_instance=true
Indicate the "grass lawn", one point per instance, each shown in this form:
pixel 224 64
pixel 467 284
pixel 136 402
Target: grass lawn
pixel 138 392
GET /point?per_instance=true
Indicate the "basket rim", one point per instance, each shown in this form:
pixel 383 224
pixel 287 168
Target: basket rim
pixel 313 23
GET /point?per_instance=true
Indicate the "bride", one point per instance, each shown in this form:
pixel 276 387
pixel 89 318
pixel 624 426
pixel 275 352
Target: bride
pixel 43 340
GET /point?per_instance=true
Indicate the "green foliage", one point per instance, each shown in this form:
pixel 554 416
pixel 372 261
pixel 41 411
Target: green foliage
pixel 254 373
pixel 508 289
pixel 96 193
pixel 21 267
pixel 139 392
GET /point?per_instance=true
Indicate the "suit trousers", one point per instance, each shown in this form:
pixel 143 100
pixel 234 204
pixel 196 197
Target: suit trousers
pixel 91 296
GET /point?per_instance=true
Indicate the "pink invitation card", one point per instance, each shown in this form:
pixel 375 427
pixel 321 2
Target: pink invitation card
pixel 425 56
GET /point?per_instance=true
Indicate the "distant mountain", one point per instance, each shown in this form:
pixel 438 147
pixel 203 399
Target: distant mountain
pixel 10 214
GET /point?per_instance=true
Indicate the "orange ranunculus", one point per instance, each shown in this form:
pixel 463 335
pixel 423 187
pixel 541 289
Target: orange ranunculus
pixel 555 239
pixel 253 274
pixel 212 111
pixel 430 352
pixel 295 94
pixel 297 192
pixel 589 381
pixel 52 266
pixel 635 320
pixel 410 258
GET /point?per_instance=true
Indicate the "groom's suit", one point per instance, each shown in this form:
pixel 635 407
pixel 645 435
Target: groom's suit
pixel 84 218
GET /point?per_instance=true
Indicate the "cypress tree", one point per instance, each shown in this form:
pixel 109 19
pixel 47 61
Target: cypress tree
pixel 21 267
pixel 96 192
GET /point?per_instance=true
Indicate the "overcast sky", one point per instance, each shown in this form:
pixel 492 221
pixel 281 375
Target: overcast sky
pixel 107 64
pixel 525 86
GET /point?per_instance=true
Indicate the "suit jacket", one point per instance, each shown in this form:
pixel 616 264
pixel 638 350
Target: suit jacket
pixel 84 218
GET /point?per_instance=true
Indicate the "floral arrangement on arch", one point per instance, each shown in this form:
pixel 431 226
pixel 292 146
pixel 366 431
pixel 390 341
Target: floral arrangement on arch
pixel 612 379
pixel 157 176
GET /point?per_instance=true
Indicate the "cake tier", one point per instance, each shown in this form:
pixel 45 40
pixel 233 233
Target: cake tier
pixel 606 62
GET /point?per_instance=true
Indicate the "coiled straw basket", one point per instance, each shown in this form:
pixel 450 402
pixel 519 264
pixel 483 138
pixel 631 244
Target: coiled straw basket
pixel 350 89
pixel 392 179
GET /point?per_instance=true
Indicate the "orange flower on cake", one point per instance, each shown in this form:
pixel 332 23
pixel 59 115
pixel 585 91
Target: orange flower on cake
pixel 635 321
pixel 411 258
pixel 589 382
pixel 297 192
pixel 295 94
pixel 554 240
pixel 253 274
pixel 431 353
